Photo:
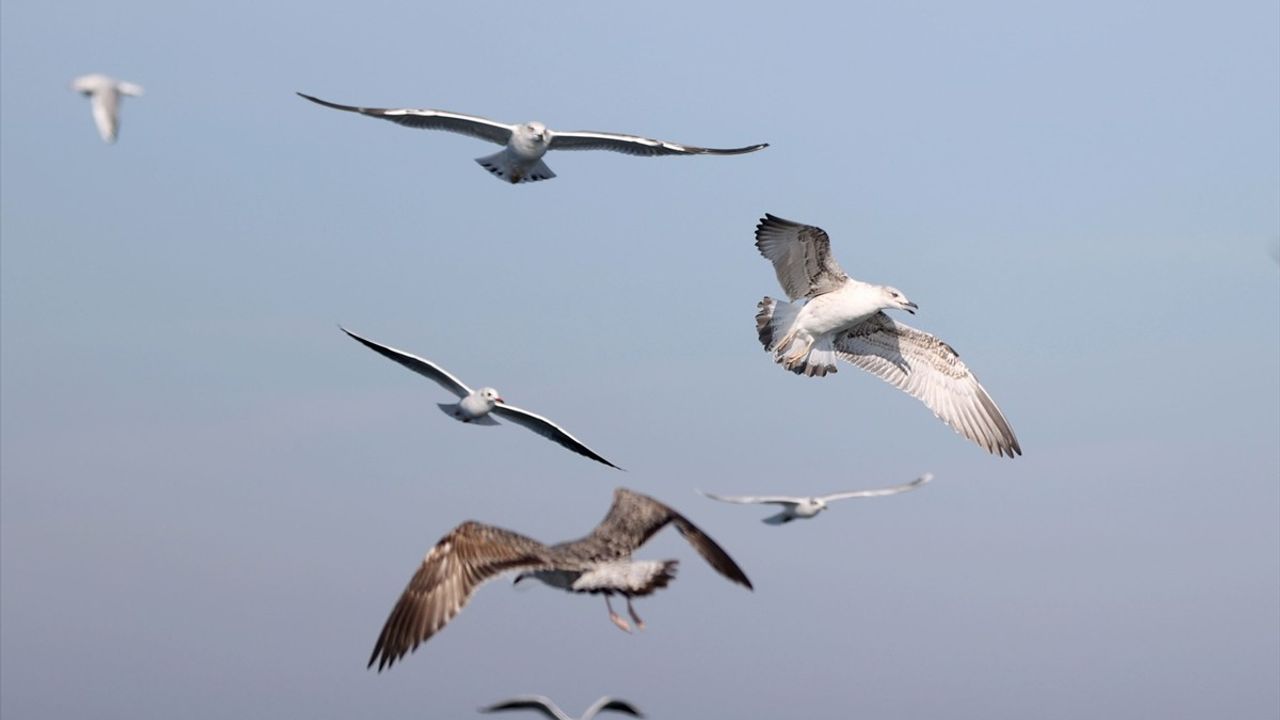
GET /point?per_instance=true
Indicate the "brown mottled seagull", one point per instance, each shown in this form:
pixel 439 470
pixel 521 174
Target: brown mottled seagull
pixel 844 318
pixel 543 704
pixel 526 143
pixel 599 563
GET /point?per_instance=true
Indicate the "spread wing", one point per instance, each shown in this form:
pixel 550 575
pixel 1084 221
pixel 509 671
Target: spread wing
pixel 635 145
pixel 106 113
pixel 423 367
pixel 473 125
pixel 609 703
pixel 754 499
pixel 548 430
pixel 540 703
pixel 930 371
pixel 464 559
pixel 880 492
pixel 633 519
pixel 801 257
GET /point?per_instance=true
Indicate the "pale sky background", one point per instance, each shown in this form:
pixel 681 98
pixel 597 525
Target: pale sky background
pixel 211 498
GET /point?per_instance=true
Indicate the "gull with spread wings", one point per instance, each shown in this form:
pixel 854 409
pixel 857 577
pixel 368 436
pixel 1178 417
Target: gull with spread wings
pixel 803 508
pixel 543 704
pixel 831 316
pixel 599 564
pixel 104 95
pixel 476 406
pixel 526 143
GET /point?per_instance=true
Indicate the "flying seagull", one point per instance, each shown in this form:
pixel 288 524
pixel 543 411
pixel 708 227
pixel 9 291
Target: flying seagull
pixel 599 563
pixel 476 406
pixel 803 508
pixel 544 705
pixel 104 94
pixel 842 317
pixel 526 143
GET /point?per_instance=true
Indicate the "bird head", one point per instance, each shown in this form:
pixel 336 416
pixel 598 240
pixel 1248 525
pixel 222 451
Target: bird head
pixel 537 132
pixel 490 396
pixel 895 300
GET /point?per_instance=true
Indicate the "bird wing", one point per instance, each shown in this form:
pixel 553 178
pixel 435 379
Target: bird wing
pixel 609 703
pixel 463 560
pixel 548 430
pixel 633 519
pixel 635 144
pixel 473 125
pixel 931 371
pixel 423 367
pixel 801 257
pixel 754 499
pixel 880 492
pixel 540 703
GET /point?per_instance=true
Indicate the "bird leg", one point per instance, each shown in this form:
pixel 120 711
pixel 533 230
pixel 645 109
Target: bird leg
pixel 615 617
pixel 791 359
pixel 632 612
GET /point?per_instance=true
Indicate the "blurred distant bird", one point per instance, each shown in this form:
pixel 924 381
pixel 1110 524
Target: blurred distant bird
pixel 526 143
pixel 842 317
pixel 104 95
pixel 803 508
pixel 599 563
pixel 477 405
pixel 544 705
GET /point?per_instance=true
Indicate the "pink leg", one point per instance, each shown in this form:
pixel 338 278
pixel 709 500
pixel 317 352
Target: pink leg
pixel 632 612
pixel 615 617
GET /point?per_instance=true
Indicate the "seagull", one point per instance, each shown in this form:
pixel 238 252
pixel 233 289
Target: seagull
pixel 803 508
pixel 544 705
pixel 599 563
pixel 477 405
pixel 526 143
pixel 105 95
pixel 842 317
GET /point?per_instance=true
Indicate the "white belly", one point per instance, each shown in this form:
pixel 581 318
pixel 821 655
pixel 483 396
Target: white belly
pixel 836 311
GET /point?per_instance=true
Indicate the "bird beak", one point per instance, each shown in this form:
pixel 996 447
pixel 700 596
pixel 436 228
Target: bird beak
pixel 911 307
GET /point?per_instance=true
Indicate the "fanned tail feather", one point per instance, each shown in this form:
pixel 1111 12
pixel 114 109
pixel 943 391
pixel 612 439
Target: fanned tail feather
pixel 773 326
pixel 504 167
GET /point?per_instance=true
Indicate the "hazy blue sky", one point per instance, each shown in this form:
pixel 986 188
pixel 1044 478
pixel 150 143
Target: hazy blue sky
pixel 211 498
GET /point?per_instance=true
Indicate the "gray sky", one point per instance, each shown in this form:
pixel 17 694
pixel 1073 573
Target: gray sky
pixel 211 498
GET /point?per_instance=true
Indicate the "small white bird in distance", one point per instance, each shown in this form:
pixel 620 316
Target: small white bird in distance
pixel 803 508
pixel 104 95
pixel 476 406
pixel 526 143
pixel 544 705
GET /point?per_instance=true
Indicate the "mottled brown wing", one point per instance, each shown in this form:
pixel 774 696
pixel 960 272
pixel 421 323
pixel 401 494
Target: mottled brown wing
pixel 931 371
pixel 464 559
pixel 801 257
pixel 633 519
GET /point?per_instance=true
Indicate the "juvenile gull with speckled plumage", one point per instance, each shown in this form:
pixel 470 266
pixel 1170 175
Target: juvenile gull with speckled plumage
pixel 844 318
pixel 599 563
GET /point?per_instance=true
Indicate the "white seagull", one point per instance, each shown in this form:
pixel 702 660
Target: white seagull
pixel 543 704
pixel 526 143
pixel 803 508
pixel 476 406
pixel 598 564
pixel 104 94
pixel 843 318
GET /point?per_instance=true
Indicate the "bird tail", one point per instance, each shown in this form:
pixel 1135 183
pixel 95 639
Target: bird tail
pixel 128 88
pixel 454 410
pixel 774 326
pixel 505 167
